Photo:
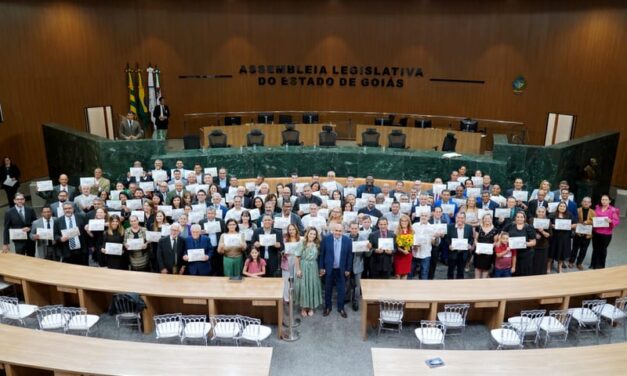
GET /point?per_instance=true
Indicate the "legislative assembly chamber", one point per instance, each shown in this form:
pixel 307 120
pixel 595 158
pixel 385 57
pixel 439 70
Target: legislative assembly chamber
pixel 313 187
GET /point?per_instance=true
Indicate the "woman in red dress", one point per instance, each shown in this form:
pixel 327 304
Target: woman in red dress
pixel 404 243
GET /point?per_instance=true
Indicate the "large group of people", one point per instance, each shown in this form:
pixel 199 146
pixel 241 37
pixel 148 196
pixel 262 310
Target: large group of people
pixel 321 233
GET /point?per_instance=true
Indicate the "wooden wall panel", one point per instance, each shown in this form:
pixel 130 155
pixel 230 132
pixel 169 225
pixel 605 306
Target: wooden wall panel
pixel 59 57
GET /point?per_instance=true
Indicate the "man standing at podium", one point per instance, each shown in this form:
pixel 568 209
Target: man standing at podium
pixel 161 114
pixel 130 129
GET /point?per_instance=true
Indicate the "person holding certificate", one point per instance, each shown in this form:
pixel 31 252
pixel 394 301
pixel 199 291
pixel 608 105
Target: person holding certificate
pixel 95 231
pixel 197 253
pixel 581 241
pixel 17 225
pixel 336 262
pixel 213 227
pixel 353 286
pixel 543 235
pixel 524 256
pixel 232 245
pixel 269 241
pixel 69 235
pixel 607 218
pixel 484 258
pixel 560 245
pixel 382 242
pixel 425 237
pixel 10 180
pixel 404 246
pixel 505 261
pixel 293 243
pixel 42 232
pixel 114 234
pixel 135 244
pixel 308 289
pixel 460 238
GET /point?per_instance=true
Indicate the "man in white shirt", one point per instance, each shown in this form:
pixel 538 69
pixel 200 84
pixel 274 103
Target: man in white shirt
pixel 424 235
pixel 314 220
pixel 85 200
pixel 497 197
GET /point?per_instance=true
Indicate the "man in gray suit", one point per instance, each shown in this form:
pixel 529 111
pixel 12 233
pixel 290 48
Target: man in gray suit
pixel 63 186
pixel 45 248
pixel 130 129
pixel 57 206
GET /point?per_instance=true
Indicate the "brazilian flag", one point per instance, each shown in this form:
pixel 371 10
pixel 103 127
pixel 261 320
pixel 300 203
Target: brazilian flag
pixel 131 92
pixel 142 110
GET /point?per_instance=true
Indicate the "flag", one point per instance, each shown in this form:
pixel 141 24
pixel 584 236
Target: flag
pixel 157 82
pixel 131 92
pixel 152 98
pixel 142 111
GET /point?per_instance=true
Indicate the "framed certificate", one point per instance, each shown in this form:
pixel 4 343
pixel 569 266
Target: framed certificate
pixel 484 249
pixel 196 254
pixel 541 223
pixel 386 244
pixel 134 244
pixel 459 244
pixel 44 186
pixel 291 247
pixel 96 225
pixel 45 234
pixel 267 240
pixel 518 242
pixel 232 240
pixel 114 249
pixel 153 236
pixel 360 246
pixel 212 227
pixel 563 224
pixel 600 222
pixel 18 234
pixel 583 229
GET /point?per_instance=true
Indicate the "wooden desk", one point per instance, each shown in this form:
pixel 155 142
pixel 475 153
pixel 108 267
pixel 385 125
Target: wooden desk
pixel 48 282
pixel 236 134
pixel 585 360
pixel 32 352
pixel 428 138
pixel 491 300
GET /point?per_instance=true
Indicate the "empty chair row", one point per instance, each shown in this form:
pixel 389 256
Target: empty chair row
pixel 290 136
pixel 268 118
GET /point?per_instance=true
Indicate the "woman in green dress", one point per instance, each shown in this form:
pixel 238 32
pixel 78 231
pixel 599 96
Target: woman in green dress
pixel 308 287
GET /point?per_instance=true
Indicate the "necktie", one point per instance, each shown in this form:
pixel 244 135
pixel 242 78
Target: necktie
pixel 174 250
pixel 48 227
pixel 21 211
pixel 72 240
pixel 162 112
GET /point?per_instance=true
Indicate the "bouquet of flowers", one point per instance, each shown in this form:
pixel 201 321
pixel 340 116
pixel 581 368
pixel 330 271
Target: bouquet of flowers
pixel 405 241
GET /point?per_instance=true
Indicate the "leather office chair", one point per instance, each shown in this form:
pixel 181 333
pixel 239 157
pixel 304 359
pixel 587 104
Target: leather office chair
pixel 402 122
pixel 191 142
pixel 327 137
pixel 232 120
pixel 291 136
pixel 422 123
pixel 285 119
pixel 370 138
pixel 397 139
pixel 382 121
pixel 265 118
pixel 218 139
pixel 310 118
pixel 255 138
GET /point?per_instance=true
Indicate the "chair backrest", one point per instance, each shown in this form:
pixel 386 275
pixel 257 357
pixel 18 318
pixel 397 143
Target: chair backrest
pixel 327 137
pixel 78 314
pixel 370 137
pixel 391 310
pixel 168 323
pixel 52 316
pixel 191 142
pixel 255 138
pixel 454 309
pixel 532 315
pixel 249 324
pixel 223 323
pixel 562 316
pixel 449 143
pixel 511 335
pixel 194 323
pixel 594 305
pixel 291 137
pixel 397 139
pixel 433 331
pixel 217 139
pixel 621 304
pixel 124 304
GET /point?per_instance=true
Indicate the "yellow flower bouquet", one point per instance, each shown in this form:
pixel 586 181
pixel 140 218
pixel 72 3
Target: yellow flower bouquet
pixel 405 241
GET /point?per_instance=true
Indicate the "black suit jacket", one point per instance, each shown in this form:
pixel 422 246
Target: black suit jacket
pixel 380 262
pixel 223 191
pixel 274 254
pixel 51 196
pixel 452 233
pixel 156 112
pixel 165 253
pixel 13 220
pixel 63 248
pixel 533 206
pixel 13 172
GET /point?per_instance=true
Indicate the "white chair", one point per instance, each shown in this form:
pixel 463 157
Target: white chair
pixel 555 324
pixel 454 318
pixel 252 330
pixel 508 336
pixel 614 314
pixel 13 310
pixel 391 313
pixel 431 333
pixel 52 317
pixel 587 316
pixel 127 312
pixel 195 327
pixel 527 324
pixel 168 326
pixel 79 320
pixel 225 327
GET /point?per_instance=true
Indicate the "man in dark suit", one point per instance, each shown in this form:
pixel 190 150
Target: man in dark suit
pixel 571 206
pixel 369 187
pixel 170 251
pixel 63 186
pixel 19 217
pixel 72 250
pixel 294 219
pixel 270 253
pixel 534 204
pixel 457 256
pixel 381 258
pixel 217 266
pixel 222 181
pixel 336 264
pixel 439 251
pixel 161 114
pixel 57 206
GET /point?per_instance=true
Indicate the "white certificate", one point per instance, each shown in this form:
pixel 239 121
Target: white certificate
pixel 137 172
pixel 502 212
pixel 452 185
pixel 459 244
pixel 482 212
pixel 386 244
pixel 332 204
pixel 518 242
pixel 392 225
pixel 405 207
pixel 349 217
pixel 159 175
pixel 439 228
pixel 360 203
pixel 87 182
pixel 251 187
pixel 262 197
pixel 438 188
pixel 248 233
pixel 113 249
pixel 118 213
pixel 324 213
pixel 17 234
pixel 421 239
pixel 114 204
pixel 291 247
pixel 423 209
pixel 134 204
pixel 8 181
pixel 196 254
pixel 139 214
pixel 60 212
pixel 553 206
pixel 281 223
pixel 232 240
pixel 330 185
pixel 195 216
pixel 366 196
pixel 219 213
pixel 448 209
pixel 191 188
pixel 45 234
pixel 373 220
pixel 212 227
pixel 134 244
pixel 44 186
pixel 114 195
pixel 473 192
pixel 213 171
pixel 165 230
pixel 304 208
pixel 201 187
pixel 563 224
pixel 199 208
pixel 300 187
pixel 166 209
pixel 583 229
pixel 254 214
pixel 520 195
pixel 383 208
pixel 541 223
pixel 267 240
pixel 177 213
pixel 459 201
pixel 360 246
pixel 71 232
pixel 600 222
pixel 96 224
pixel 462 179
pixel 477 181
pixel 484 249
pixel 471 217
pixel 153 236
pixel 350 191
pixel 147 186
